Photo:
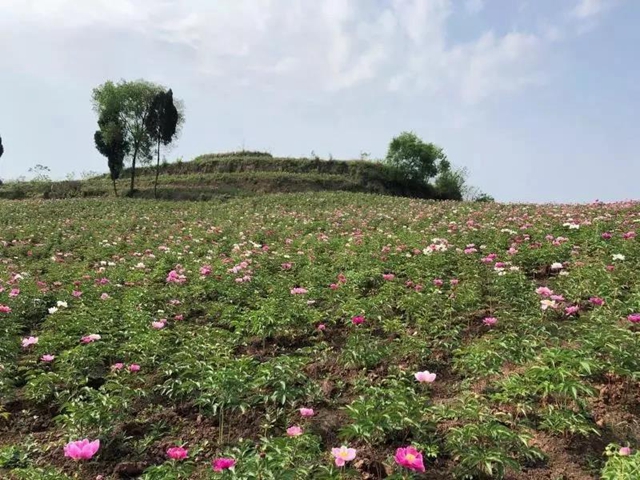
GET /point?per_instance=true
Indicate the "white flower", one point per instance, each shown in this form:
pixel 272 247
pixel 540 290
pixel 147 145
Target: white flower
pixel 62 304
pixel 140 265
pixel 618 256
pixel 544 304
pixel 53 310
pixel 556 266
pixel 564 273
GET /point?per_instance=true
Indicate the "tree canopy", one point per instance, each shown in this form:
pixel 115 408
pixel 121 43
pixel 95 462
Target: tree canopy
pixel 129 103
pixel 1 147
pixel 417 159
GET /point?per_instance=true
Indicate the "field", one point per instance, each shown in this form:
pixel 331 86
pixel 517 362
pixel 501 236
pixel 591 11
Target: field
pixel 152 325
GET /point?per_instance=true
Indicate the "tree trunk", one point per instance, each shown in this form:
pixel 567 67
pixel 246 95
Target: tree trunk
pixel 114 186
pixel 155 185
pixel 133 169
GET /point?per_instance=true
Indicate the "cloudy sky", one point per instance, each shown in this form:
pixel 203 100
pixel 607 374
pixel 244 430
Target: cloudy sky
pixel 538 99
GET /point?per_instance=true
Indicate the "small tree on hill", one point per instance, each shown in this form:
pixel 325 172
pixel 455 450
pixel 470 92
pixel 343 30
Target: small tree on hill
pixel 162 125
pixel 130 103
pixel 1 147
pixel 111 142
pixel 417 160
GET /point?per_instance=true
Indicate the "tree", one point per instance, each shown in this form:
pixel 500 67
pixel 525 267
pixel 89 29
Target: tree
pixel 1 147
pixel 130 103
pixel 111 142
pixel 416 159
pixel 162 124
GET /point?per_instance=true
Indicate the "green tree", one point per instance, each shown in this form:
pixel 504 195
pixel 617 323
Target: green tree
pixel 111 142
pixel 417 159
pixel 130 103
pixel 162 125
pixel 1 147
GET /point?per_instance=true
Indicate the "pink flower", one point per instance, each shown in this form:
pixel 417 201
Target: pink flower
pixel 544 291
pixel 14 292
pixel 205 270
pixel 425 377
pixel 388 276
pixel 160 324
pixel 28 341
pixel 606 236
pixel 357 320
pixel 557 298
pixel 343 455
pixel 438 282
pixel 610 268
pixel 409 457
pixel 177 453
pixel 596 301
pixel 5 309
pixel 634 318
pixel 629 235
pixel 490 321
pixel 220 464
pixel 286 266
pixel 179 317
pixel 134 367
pixel 294 431
pixel 298 291
pixel 105 296
pixel 117 366
pixel 76 293
pixel 322 327
pixel 454 281
pixel 81 449
pixel 571 310
pixel 90 338
pixel 47 358
pixel 624 451
pixel 334 286
pixel 307 412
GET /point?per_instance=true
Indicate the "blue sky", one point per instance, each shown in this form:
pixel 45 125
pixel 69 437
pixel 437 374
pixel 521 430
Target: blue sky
pixel 538 99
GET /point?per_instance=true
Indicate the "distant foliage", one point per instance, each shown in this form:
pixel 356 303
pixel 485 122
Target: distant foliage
pixel 417 159
pixel 111 141
pixel 240 154
pixel 1 147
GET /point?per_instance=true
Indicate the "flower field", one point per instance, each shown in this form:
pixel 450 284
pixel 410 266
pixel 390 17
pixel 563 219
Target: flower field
pixel 319 336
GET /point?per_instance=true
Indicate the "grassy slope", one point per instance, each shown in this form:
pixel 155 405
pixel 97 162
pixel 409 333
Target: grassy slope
pixel 215 176
pixel 541 391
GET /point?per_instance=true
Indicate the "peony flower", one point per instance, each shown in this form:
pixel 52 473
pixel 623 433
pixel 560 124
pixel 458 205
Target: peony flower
pixel 28 341
pixel 425 377
pixel 606 236
pixel 105 296
pixel 571 309
pixel 205 270
pixel 409 457
pixel 388 276
pixel 544 291
pixel 220 464
pixel 14 292
pixel 633 318
pixel 545 304
pixel 618 256
pixel 294 431
pixel 134 367
pixel 557 266
pixel 47 358
pixel 490 321
pixel 76 293
pixel 357 320
pixel 81 449
pixel 177 453
pixel 625 451
pixel 117 366
pixel 52 310
pixel 438 282
pixel 596 301
pixel 90 338
pixel 5 309
pixel 322 327
pixel 307 412
pixel 343 455
pixel 298 291
pixel 160 324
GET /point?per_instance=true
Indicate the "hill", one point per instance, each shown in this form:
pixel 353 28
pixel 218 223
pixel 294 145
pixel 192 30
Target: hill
pixel 496 341
pixel 238 174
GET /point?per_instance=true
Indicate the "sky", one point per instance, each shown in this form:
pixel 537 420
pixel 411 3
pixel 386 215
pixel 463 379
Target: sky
pixel 538 99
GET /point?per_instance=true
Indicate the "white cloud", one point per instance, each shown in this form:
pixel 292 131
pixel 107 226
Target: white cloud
pixel 293 45
pixel 590 8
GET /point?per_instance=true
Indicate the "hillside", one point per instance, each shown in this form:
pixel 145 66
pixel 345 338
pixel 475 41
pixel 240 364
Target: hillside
pixel 254 338
pixel 237 174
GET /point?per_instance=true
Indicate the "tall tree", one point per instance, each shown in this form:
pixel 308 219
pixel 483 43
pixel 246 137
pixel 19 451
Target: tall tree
pixel 418 160
pixel 111 142
pixel 162 124
pixel 1 147
pixel 130 103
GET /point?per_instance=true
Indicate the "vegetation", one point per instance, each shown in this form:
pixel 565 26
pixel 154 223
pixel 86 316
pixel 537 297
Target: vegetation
pixel 1 147
pixel 431 340
pixel 125 107
pixel 417 159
